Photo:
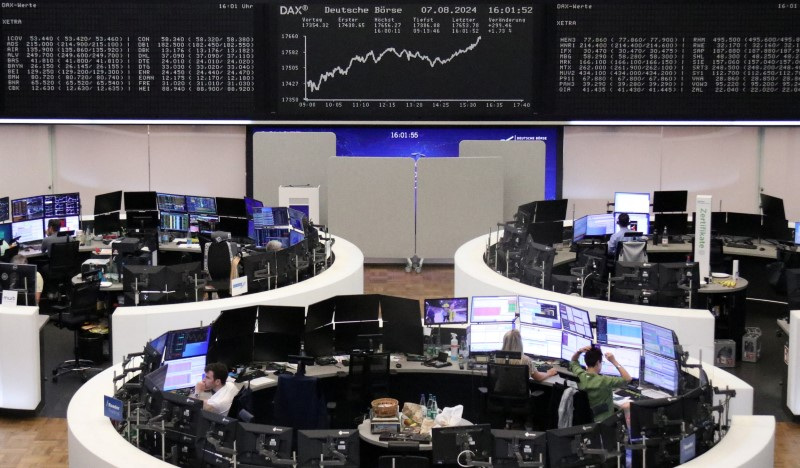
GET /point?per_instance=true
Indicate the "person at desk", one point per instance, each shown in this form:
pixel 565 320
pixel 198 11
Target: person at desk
pixel 274 246
pixel 215 382
pixel 598 387
pixel 624 222
pixel 5 246
pixel 512 341
pixel 23 260
pixel 53 226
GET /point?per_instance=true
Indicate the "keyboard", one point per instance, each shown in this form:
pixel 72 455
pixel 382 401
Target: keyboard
pixel 415 358
pixel 543 367
pixel 654 394
pixel 402 437
pixel 628 393
pixel 741 245
pixel 437 364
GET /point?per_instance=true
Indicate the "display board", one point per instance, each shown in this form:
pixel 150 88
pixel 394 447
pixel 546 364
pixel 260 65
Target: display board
pixel 538 60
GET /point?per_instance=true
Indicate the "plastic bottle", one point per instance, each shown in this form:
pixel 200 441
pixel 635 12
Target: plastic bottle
pixel 434 408
pixel 431 400
pixel 454 347
pixel 422 401
pixel 664 237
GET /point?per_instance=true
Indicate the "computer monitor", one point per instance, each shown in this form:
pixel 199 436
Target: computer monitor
pixel 155 347
pixel 677 224
pixel 669 201
pixel 567 447
pixel 487 337
pixel 539 312
pixel 526 213
pixel 541 341
pixel 772 206
pixel 446 310
pixel 451 445
pixel 631 202
pixel 281 319
pixel 742 225
pixel 189 342
pixel 235 323
pixel 62 205
pixel 184 372
pixel 619 331
pixel 296 218
pixel 6 233
pixel 152 386
pixel 628 358
pixel 267 217
pixel 141 220
pixel 238 227
pixel 579 229
pixel 183 417
pixel 251 203
pixel 144 278
pixel 600 225
pixel 69 223
pixel 775 229
pixel 295 237
pixel 5 209
pixel 202 223
pixel 797 233
pixel 575 320
pixel 319 341
pixel 493 309
pixel 315 447
pixel 658 340
pixel 171 202
pixel 26 209
pixel 201 205
pixel 661 373
pixel 572 342
pixel 231 207
pixel 551 210
pixel 640 275
pixel 217 435
pixel 661 420
pixel 28 231
pixel 348 336
pixel 140 201
pixel 518 448
pixel 275 347
pixel 639 222
pixel 547 233
pixel 264 445
pixel 107 223
pixel 21 278
pixel 108 202
pixel 174 221
pixel 719 221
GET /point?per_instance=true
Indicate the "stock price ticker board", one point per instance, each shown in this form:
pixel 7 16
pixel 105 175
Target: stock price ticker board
pixel 267 60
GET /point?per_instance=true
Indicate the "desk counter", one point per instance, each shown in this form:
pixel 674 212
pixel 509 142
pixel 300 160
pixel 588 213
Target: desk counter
pixel 20 357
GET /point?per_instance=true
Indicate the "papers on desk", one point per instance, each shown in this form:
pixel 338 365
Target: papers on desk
pixel 258 381
pixel 106 251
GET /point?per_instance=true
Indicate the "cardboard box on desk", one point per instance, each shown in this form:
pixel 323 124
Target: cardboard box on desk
pixel 724 353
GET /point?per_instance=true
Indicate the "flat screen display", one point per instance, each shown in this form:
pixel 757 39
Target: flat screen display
pixel 140 201
pixel 267 217
pixel 539 312
pixel 629 358
pixel 629 202
pixel 187 343
pixel 640 222
pixel 661 372
pixel 446 310
pixel 659 340
pixel 62 205
pixel 5 206
pixel 202 205
pixel 69 223
pixel 108 202
pixel 797 232
pixel 6 233
pixel 25 209
pixel 28 231
pixel 541 341
pixel 619 332
pixel 598 225
pixel 665 201
pixel 171 202
pixel 493 309
pixel 486 337
pixel 570 343
pixel 575 320
pixel 174 221
pixel 184 372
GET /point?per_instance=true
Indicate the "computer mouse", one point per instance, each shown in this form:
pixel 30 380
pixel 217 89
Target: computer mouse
pixel 398 365
pixel 761 248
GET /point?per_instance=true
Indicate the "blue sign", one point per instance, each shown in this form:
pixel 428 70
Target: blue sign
pixel 112 408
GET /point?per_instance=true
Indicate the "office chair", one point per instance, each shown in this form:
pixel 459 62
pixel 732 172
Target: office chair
pixel 368 379
pixel 507 397
pixel 242 405
pixel 581 410
pixel 217 258
pixel 64 264
pixel 82 308
pixel 403 461
pixel 299 403
pixel 632 251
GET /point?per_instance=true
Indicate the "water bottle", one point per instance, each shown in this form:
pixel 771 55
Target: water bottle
pixel 435 408
pixel 431 402
pixel 664 237
pixel 422 401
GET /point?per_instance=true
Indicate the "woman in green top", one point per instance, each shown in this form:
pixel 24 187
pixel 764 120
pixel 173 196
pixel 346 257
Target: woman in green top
pixel 598 387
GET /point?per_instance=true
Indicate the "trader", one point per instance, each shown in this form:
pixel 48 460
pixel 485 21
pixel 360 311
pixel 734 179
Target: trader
pixel 598 387
pixel 623 221
pixel 512 341
pixel 215 391
pixel 53 226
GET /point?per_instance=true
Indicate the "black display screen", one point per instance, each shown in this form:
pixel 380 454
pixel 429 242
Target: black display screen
pixel 269 60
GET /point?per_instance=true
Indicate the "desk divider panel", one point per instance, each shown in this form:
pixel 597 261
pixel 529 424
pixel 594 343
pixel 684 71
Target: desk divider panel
pixel 292 158
pixel 372 204
pixel 457 199
pixel 523 169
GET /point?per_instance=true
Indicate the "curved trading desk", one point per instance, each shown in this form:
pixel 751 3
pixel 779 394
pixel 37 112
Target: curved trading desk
pixel 94 442
pixel 133 326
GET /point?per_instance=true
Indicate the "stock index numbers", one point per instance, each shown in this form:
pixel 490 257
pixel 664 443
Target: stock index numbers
pixel 540 60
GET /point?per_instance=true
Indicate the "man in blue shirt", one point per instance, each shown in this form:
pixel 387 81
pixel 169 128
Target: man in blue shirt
pixel 623 221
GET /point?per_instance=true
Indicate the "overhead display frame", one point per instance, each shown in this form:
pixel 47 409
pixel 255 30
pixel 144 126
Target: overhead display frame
pixel 270 61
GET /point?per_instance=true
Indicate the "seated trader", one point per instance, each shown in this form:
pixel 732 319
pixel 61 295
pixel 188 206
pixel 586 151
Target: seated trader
pixel 215 391
pixel 23 260
pixel 512 341
pixel 53 226
pixel 623 221
pixel 598 387
pixel 274 246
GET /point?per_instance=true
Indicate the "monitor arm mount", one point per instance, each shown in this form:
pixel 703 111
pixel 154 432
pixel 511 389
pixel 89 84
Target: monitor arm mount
pixel 580 448
pixel 329 450
pixel 724 408
pixel 218 448
pixel 521 463
pixel 463 441
pixel 270 456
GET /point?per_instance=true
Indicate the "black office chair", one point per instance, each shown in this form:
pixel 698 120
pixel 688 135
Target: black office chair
pixel 64 264
pixel 242 407
pixel 299 403
pixel 368 379
pixel 403 461
pixel 581 410
pixel 507 398
pixel 217 258
pixel 82 308
pixel 631 251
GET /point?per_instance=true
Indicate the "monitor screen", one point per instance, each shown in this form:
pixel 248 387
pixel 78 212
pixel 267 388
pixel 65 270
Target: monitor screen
pixel 202 223
pixel 251 203
pixel 742 225
pixel 658 340
pixel 620 332
pixel 775 228
pixel 296 218
pixel 184 373
pixel 547 233
pixel 108 202
pixel 493 309
pixel 628 202
pixel 232 207
pixel 107 223
pixel 174 221
pixel 599 225
pixel 203 205
pixel 797 232
pixel 6 233
pixel 629 358
pixel 562 446
pixel 187 343
pixel 264 236
pixel 675 223
pixel 236 226
pixel 669 201
pixel 4 209
pixel 446 310
pixel 254 439
pixel 25 209
pixel 579 229
pixel 539 312
pixel 159 343
pixel 575 320
pixel 551 210
pixel 541 341
pixel 640 222
pixel 295 237
pixel 772 206
pixel 487 337
pixel 275 347
pixel 28 231
pixel 69 223
pixel 171 202
pixel 140 201
pixel 661 372
pixel 62 205
pixel 570 343
pixel 266 217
